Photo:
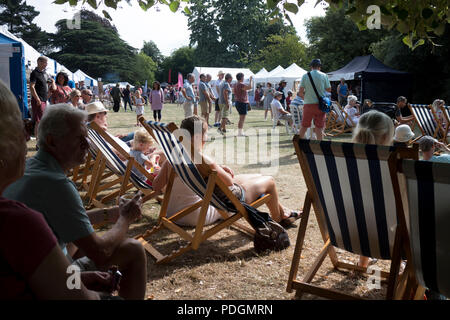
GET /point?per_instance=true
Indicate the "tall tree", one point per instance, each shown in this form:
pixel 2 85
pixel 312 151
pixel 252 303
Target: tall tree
pixel 151 49
pixel 336 40
pixel 19 16
pixel 181 60
pixel 95 47
pixel 144 68
pixel 281 50
pixel 230 32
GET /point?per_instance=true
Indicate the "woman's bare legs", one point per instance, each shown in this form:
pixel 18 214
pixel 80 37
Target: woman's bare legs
pixel 255 185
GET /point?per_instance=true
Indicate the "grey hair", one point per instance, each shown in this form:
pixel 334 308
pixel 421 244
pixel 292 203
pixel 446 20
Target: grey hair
pixel 436 104
pixel 11 126
pixel 58 120
pixel 189 75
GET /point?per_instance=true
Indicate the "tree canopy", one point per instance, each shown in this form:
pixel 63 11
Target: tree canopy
pixel 418 22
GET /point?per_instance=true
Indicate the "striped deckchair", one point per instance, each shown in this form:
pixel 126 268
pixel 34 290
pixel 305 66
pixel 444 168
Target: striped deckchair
pixel 351 189
pixel 423 116
pixel 428 190
pixel 103 145
pixel 338 120
pixel 193 175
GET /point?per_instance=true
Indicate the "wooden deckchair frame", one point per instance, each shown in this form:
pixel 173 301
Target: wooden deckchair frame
pixel 200 234
pixel 334 126
pixel 312 199
pixel 124 180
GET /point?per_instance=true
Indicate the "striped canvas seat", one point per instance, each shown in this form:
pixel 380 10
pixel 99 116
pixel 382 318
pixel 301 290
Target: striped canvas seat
pixel 113 162
pixel 181 162
pixel 337 122
pixel 352 191
pixel 428 188
pixel 204 182
pixel 425 120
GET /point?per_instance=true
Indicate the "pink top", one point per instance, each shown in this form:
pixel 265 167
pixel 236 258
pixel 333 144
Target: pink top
pixel 156 99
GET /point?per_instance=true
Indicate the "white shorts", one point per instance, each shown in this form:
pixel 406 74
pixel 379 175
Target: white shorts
pixel 139 110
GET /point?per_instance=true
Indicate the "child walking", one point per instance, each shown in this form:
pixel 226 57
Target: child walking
pixel 139 106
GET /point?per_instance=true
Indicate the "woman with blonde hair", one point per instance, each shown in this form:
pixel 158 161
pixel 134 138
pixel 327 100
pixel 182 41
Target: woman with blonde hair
pixel 373 127
pixel 352 110
pixel 436 106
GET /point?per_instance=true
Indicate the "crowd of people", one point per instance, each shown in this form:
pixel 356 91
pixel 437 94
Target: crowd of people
pixel 65 228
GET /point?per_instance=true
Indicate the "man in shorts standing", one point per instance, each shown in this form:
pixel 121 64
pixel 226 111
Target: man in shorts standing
pixel 216 87
pixel 242 103
pixel 311 107
pixel 39 91
pixel 225 96
pixel 204 99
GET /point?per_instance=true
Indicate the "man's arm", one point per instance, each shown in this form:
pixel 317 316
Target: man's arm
pixel 100 249
pixel 34 93
pixel 108 215
pixel 301 93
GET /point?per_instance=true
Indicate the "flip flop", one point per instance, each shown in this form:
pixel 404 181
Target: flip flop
pixel 295 215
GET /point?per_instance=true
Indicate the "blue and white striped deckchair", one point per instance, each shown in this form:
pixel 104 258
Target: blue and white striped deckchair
pixel 104 145
pixel 428 190
pixel 193 175
pixel 353 196
pixel 424 118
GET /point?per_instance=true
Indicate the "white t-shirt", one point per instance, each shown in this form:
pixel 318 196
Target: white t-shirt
pixel 215 87
pixel 352 114
pixel 276 107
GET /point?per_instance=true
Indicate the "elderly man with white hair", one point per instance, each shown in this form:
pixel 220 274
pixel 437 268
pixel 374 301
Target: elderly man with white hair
pixel 45 188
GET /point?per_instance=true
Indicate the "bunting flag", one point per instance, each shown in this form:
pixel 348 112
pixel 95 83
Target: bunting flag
pixel 180 80
pixel 170 74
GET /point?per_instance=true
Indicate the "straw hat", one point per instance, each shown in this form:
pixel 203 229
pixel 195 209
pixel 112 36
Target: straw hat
pixel 95 107
pixel 220 72
pixel 403 133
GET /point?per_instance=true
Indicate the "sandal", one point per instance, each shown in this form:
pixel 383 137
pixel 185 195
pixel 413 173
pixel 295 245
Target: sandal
pixel 295 215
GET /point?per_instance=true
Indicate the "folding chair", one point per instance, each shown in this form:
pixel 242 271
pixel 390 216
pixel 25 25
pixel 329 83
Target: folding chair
pixel 276 119
pixel 351 189
pixel 428 190
pixel 194 177
pixel 423 116
pixel 337 122
pixel 105 156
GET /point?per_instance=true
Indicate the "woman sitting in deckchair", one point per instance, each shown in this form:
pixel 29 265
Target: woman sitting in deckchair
pixel 246 187
pixel 352 110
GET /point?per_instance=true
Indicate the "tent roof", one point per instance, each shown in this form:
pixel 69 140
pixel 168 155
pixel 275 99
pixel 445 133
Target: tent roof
pixel 213 71
pixel 275 71
pixel 81 76
pixel 261 73
pixel 291 72
pixel 368 64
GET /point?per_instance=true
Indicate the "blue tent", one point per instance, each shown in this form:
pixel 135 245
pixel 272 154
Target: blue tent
pixel 12 70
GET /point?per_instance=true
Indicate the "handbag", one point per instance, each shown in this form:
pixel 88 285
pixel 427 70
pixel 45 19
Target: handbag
pixel 324 102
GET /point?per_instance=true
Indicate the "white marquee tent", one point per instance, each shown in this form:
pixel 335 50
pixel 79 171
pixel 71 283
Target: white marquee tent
pixel 214 72
pixel 81 76
pixel 292 75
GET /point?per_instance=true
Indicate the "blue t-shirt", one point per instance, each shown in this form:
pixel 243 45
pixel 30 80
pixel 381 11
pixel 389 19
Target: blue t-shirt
pixel 343 89
pixel 322 83
pixel 45 188
pixel 225 86
pixel 202 87
pixel 189 91
pixel 442 158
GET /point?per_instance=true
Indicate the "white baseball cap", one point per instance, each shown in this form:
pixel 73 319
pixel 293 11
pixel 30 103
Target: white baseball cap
pixel 95 107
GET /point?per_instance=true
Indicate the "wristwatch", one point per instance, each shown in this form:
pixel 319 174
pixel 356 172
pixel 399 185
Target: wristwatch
pixel 105 214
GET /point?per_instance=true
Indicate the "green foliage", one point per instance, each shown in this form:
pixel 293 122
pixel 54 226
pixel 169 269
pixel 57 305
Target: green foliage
pixel 281 50
pixel 151 49
pixel 230 32
pixel 95 48
pixel 181 60
pixel 19 16
pixel 429 65
pixel 418 19
pixel 144 69
pixel 336 40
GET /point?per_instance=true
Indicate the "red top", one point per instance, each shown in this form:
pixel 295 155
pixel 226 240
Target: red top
pixel 60 95
pixel 25 240
pixel 240 92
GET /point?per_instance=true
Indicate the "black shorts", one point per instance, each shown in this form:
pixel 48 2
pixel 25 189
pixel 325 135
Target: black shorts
pixel 216 103
pixel 242 107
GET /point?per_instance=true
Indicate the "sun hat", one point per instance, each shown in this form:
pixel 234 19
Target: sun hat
pixel 283 81
pixel 220 72
pixel 95 107
pixel 278 93
pixel 403 133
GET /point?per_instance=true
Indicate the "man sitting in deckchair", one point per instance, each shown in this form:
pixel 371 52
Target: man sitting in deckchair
pixel 46 189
